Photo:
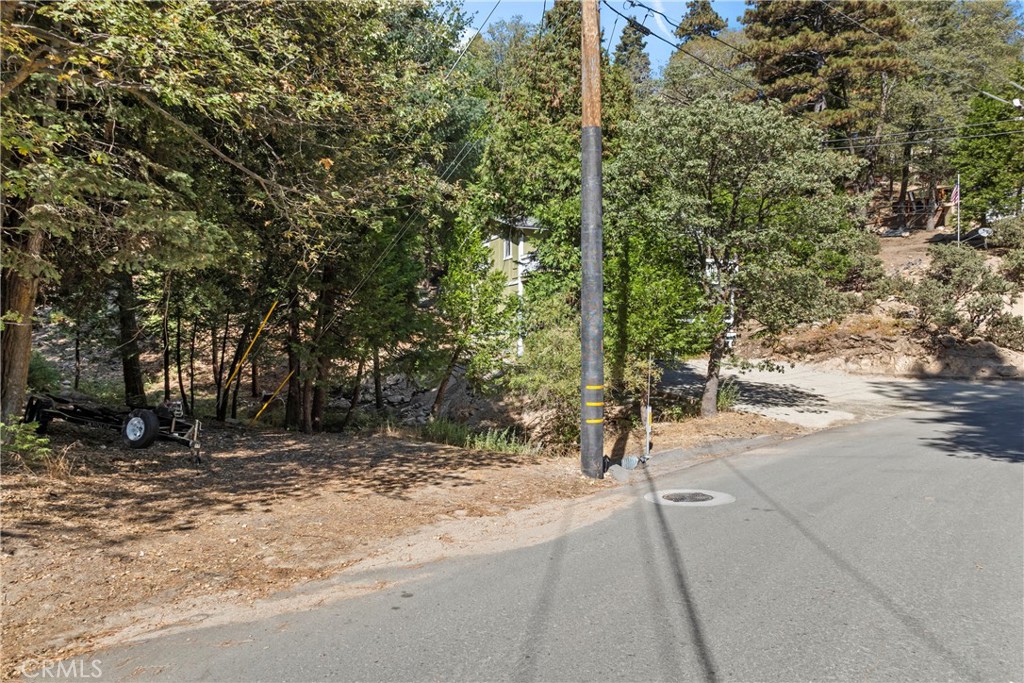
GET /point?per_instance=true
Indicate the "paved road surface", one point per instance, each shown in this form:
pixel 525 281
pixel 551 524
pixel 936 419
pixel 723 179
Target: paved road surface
pixel 888 550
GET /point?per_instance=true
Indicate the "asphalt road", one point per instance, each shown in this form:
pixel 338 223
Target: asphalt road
pixel 888 550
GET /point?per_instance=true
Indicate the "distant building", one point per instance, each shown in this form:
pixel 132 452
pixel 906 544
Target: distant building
pixel 512 254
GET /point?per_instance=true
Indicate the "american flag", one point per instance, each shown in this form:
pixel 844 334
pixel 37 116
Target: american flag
pixel 955 197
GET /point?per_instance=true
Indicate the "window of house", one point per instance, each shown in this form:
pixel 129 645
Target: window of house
pixel 508 249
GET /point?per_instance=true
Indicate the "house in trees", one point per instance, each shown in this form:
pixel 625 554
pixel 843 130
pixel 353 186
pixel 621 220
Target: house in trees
pixel 511 251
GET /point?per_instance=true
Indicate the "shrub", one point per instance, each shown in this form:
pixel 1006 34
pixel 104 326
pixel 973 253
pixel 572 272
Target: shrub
pixel 959 293
pixel 458 434
pixel 728 395
pixel 23 448
pixel 42 374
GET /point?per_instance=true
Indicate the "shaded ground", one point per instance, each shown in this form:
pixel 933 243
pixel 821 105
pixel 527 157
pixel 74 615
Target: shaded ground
pixel 132 534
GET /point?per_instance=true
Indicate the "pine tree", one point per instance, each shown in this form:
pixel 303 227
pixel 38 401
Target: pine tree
pixel 700 20
pixel 630 55
pixel 825 59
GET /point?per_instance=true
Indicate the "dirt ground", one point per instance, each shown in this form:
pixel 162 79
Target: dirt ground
pixel 131 541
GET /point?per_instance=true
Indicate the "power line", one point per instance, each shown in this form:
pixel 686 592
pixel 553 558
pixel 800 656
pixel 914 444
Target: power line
pixel 445 176
pixel 647 32
pixel 470 41
pixel 839 141
pixel 918 60
pixel 777 70
pixel 943 139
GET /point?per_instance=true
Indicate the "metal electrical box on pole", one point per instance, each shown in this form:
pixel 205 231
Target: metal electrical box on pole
pixel 592 302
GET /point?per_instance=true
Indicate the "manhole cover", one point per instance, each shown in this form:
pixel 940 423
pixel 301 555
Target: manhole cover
pixel 695 497
pixel 689 497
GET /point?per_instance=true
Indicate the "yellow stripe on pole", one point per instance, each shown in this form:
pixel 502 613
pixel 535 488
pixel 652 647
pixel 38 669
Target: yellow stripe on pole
pixel 272 397
pixel 595 386
pixel 595 422
pixel 595 404
pixel 238 366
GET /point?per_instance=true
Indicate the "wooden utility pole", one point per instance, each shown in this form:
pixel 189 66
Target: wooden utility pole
pixel 592 303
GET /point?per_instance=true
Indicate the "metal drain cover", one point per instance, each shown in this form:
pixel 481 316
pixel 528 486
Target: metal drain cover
pixel 689 497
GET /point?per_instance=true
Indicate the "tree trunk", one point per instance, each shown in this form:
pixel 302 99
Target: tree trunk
pixel 215 358
pixel 307 406
pixel 904 183
pixel 166 334
pixel 224 393
pixel 192 369
pixel 709 401
pixel 435 410
pixel 19 302
pixel 323 370
pixel 293 403
pixel 78 356
pixel 254 380
pixel 356 390
pixel 177 360
pixel 134 386
pixel 378 389
pixel 320 360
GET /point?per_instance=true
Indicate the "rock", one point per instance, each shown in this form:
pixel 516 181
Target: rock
pixel 619 473
pixel 947 340
pixel 1007 370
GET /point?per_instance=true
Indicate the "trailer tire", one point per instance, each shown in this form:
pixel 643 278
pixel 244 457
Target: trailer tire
pixel 140 429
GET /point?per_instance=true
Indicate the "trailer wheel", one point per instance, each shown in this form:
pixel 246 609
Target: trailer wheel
pixel 140 429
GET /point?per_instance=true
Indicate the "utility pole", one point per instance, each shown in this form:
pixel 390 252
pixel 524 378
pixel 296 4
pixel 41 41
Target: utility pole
pixel 592 303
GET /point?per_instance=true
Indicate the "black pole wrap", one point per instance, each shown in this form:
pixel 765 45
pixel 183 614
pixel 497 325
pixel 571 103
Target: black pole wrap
pixel 592 308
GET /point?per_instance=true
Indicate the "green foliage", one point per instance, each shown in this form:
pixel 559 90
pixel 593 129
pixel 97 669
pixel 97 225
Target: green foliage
pixel 741 201
pixel 631 56
pixel 700 20
pixel 43 376
pixel 1006 330
pixel 491 439
pixel 1009 236
pixel 548 372
pixel 817 60
pixel 22 445
pixel 729 395
pixel 992 168
pixel 959 294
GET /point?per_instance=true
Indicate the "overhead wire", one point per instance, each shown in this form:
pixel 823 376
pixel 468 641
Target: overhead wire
pixel 917 59
pixel 924 130
pixel 777 69
pixel 648 32
pixel 898 143
pixel 445 175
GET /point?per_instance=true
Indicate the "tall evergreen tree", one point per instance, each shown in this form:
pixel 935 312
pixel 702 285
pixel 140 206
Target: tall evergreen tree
pixel 700 20
pixel 631 56
pixel 825 59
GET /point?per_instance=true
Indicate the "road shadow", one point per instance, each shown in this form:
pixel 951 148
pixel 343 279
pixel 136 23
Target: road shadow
pixel 974 420
pixel 681 381
pixel 681 584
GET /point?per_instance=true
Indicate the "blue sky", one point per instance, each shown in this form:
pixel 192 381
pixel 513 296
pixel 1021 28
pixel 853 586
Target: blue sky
pixel 611 24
